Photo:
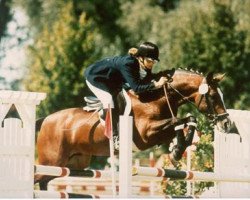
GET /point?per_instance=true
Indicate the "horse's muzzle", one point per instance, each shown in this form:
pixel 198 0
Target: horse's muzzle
pixel 223 123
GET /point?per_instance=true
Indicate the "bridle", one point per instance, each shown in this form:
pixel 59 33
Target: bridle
pixel 211 113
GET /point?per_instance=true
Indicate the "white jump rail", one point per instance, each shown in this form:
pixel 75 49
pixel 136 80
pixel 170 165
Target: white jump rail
pixel 17 143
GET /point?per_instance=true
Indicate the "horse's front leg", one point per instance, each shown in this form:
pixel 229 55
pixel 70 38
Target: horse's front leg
pixel 192 124
pixel 183 141
pixel 181 145
pixel 161 125
pixel 156 132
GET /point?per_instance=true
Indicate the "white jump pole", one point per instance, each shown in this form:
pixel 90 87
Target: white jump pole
pixel 125 156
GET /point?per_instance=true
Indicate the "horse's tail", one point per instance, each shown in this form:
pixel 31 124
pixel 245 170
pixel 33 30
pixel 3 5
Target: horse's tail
pixel 39 124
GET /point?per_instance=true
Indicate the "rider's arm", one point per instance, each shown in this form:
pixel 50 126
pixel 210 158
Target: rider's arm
pixel 132 77
pixel 129 69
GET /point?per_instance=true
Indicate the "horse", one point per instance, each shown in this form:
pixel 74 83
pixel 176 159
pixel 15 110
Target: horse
pixel 70 137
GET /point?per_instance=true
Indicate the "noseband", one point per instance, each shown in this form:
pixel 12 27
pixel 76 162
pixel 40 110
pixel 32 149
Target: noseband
pixel 211 114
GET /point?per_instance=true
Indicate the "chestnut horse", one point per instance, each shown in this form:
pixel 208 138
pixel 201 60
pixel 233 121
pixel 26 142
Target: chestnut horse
pixel 70 137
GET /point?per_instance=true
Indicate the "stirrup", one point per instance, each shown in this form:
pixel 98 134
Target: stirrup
pixel 92 103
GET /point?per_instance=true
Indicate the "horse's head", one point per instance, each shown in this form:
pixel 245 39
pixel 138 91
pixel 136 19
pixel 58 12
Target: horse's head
pixel 209 100
pixel 192 87
pixel 202 91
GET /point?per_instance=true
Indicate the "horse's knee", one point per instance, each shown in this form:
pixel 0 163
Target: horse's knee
pixel 181 143
pixel 37 178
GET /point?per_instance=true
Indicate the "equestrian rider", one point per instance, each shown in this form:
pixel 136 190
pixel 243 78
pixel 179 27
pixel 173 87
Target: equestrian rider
pixel 106 77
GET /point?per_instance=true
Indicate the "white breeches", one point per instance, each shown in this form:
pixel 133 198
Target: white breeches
pixel 103 96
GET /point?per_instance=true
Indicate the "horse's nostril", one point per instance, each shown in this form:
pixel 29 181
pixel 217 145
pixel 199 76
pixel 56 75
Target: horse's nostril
pixel 226 127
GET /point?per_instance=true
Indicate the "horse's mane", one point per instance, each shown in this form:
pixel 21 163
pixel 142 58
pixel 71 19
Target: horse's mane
pixel 155 94
pixel 171 72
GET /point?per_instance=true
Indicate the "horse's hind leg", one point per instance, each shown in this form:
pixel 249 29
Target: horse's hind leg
pixel 43 181
pixel 79 161
pixel 47 159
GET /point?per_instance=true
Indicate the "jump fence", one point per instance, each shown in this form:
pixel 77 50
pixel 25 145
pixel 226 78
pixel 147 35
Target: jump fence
pixel 17 142
pixel 232 156
pixel 232 162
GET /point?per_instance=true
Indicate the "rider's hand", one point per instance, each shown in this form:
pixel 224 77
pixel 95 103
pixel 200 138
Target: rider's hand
pixel 133 93
pixel 163 80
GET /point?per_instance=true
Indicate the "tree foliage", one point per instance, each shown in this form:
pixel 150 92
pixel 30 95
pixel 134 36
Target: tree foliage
pixel 208 35
pixel 5 16
pixel 58 58
pixel 203 35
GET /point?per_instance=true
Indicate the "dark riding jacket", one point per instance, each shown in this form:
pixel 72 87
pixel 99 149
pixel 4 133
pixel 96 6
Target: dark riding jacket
pixel 112 73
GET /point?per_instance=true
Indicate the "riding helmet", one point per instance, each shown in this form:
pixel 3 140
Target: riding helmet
pixel 149 50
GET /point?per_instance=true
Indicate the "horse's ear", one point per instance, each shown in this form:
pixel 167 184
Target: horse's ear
pixel 210 77
pixel 171 73
pixel 218 77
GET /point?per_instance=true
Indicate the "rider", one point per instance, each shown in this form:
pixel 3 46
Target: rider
pixel 106 77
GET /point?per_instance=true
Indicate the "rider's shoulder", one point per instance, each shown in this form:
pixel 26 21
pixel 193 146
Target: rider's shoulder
pixel 124 61
pixel 130 60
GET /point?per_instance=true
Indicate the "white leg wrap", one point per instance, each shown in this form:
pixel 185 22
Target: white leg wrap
pixel 192 124
pixel 179 127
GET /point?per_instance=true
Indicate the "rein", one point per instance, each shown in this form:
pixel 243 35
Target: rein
pixel 215 117
pixel 169 106
pixel 183 97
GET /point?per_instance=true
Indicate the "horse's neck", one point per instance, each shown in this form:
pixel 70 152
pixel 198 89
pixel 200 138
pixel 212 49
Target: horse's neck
pixel 186 85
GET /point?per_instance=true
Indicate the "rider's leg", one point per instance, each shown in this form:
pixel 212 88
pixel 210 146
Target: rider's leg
pixel 115 119
pixel 107 102
pixel 104 96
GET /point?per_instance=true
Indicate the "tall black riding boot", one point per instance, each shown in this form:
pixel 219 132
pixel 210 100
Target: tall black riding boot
pixel 115 120
pixel 115 123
